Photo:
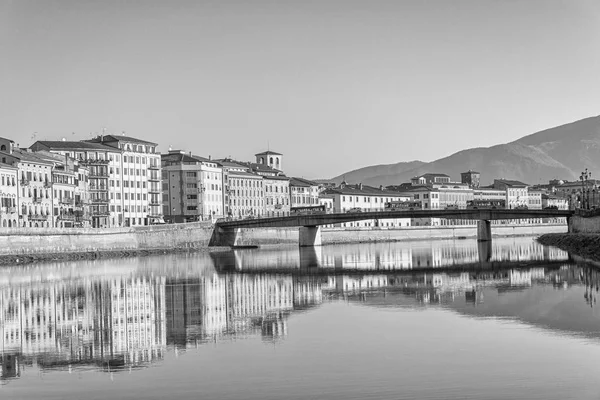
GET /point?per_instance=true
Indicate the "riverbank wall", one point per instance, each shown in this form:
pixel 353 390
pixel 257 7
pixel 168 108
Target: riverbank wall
pixel 36 244
pixel 586 245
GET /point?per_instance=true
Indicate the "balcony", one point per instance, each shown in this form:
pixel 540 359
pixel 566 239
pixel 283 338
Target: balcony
pixel 154 203
pixel 98 174
pixel 37 217
pixel 99 201
pixel 98 187
pixel 153 167
pixel 67 217
pixel 38 199
pixel 24 182
pixel 154 190
pixel 100 214
pixel 153 178
pixel 91 161
pixel 66 200
pixel 47 184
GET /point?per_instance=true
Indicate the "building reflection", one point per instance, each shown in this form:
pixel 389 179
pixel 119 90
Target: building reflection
pixel 108 324
pixel 119 316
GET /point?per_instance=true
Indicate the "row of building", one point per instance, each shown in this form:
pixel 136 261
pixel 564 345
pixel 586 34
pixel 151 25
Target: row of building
pixel 116 180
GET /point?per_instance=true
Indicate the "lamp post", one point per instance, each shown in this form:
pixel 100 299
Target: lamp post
pixel 584 177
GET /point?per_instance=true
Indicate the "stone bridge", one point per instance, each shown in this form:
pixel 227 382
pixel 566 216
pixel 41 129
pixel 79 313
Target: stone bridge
pixel 225 232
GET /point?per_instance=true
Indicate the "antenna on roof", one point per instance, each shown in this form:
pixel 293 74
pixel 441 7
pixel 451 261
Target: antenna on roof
pixel 122 133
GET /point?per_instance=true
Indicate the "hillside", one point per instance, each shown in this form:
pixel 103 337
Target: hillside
pixel 368 173
pixel 561 152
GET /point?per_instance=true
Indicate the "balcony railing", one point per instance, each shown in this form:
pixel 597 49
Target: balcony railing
pixel 153 167
pixel 67 217
pixel 66 200
pixel 153 178
pixel 37 217
pixel 91 161
pixel 98 174
pixel 38 199
pixel 154 190
pixel 24 182
pixel 101 213
pixel 98 187
pixel 155 203
pixel 47 184
pixel 99 201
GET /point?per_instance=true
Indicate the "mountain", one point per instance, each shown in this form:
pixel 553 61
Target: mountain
pixel 374 172
pixel 556 153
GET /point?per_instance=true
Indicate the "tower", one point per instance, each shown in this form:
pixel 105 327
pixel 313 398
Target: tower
pixel 271 159
pixel 471 178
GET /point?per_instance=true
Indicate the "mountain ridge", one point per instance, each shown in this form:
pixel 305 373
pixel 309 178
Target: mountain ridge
pixel 561 152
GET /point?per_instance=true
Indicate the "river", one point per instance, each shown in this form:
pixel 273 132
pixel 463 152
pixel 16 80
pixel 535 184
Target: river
pixel 448 319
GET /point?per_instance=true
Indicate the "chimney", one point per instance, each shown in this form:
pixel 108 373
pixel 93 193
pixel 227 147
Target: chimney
pixel 360 186
pixel 209 157
pixel 381 187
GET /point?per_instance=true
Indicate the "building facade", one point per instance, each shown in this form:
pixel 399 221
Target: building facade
pixel 244 191
pixel 9 214
pixel 139 167
pixel 192 187
pixel 303 193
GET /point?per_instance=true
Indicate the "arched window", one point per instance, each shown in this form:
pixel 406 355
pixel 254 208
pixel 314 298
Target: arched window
pixel 277 162
pixel 3 147
pixel 271 160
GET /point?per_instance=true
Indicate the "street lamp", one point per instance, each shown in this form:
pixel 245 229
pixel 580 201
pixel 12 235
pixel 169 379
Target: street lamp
pixel 584 177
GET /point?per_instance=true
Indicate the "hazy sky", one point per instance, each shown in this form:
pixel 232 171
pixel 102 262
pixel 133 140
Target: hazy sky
pixel 333 85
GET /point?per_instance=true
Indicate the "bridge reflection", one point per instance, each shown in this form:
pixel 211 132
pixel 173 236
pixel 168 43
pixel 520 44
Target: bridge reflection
pixel 127 314
pixel 460 254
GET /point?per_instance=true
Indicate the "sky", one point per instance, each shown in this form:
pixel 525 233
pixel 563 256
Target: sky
pixel 333 85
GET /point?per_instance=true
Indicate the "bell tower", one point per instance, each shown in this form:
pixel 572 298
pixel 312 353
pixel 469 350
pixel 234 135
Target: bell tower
pixel 271 159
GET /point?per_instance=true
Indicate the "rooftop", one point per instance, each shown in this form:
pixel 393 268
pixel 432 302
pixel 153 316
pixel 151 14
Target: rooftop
pixel 268 152
pixel 302 182
pixel 69 145
pixel 119 138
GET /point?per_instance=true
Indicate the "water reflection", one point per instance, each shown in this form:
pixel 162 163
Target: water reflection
pixel 126 314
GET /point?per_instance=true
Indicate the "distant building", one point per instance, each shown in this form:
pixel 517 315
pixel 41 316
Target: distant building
pixel 430 178
pixel 550 200
pixel 516 192
pixel 471 178
pixel 303 193
pixel 365 198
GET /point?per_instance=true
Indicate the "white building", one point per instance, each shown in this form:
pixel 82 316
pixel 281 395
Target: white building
pixel 8 196
pixel 359 197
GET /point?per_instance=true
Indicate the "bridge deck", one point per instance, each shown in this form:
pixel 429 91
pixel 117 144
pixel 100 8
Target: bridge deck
pixel 329 219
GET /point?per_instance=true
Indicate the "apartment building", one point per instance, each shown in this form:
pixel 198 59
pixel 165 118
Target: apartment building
pixel 100 168
pixel 243 190
pixel 140 165
pixel 303 193
pixel 192 187
pixel 33 185
pixel 9 214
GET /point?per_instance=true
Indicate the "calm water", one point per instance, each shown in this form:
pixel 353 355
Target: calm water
pixel 426 320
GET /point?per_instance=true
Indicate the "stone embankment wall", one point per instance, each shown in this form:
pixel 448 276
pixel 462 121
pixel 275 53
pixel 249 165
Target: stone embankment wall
pixel 57 240
pixel 192 236
pixel 579 224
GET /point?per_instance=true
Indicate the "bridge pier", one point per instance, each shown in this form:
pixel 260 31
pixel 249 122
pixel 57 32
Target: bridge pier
pixel 484 230
pixel 309 236
pixel 224 237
